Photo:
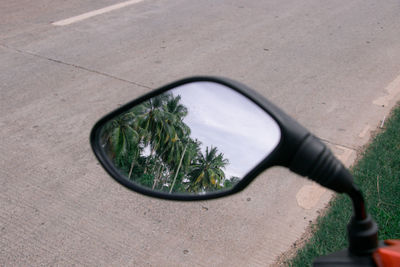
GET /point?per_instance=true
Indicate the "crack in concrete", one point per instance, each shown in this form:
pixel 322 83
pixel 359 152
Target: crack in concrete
pixel 75 66
pixel 336 144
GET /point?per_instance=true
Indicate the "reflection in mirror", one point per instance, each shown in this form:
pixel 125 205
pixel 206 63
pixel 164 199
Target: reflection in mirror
pixel 197 138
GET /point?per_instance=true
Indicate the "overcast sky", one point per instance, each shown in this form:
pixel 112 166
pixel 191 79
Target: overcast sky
pixel 223 118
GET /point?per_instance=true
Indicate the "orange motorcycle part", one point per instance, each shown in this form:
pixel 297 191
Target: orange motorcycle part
pixel 388 256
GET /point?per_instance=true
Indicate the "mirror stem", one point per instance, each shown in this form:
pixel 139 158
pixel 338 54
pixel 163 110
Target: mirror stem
pixel 362 230
pixel 358 203
pixel 315 160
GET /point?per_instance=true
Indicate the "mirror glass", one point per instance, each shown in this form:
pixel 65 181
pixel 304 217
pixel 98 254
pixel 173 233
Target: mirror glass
pixel 197 138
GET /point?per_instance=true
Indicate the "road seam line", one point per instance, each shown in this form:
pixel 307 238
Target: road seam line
pixel 75 66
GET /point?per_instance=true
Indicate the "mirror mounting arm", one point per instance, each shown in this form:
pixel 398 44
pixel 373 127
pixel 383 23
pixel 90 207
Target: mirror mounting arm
pixel 315 160
pixel 362 230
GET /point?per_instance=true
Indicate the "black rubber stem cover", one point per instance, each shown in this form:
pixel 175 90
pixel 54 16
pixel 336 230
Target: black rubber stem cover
pixel 315 160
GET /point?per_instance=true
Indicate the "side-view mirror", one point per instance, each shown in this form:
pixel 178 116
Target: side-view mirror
pixel 202 138
pixel 206 137
pixel 195 139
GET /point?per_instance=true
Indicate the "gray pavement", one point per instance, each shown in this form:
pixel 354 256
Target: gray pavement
pixel 333 66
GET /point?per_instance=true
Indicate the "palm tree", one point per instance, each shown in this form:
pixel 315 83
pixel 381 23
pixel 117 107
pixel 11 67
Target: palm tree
pixel 152 121
pixel 121 141
pixel 172 132
pixel 173 157
pixel 161 127
pixel 207 173
pixel 174 107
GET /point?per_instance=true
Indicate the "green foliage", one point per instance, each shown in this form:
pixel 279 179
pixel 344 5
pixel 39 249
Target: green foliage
pixel 152 146
pixel 229 183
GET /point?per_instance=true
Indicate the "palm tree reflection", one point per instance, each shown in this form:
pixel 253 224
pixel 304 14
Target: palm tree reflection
pixel 151 145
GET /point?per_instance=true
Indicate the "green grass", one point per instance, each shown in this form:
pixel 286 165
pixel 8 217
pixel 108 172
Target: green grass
pixel 378 176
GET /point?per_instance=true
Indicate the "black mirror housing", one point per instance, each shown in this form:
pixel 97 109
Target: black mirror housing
pixel 297 148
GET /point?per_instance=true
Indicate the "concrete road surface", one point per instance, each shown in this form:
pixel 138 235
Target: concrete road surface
pixel 333 65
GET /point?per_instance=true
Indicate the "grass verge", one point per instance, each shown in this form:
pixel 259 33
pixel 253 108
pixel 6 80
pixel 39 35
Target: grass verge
pixel 377 173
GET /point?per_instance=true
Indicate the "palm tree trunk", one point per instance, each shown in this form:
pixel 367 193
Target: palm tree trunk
pixel 177 171
pixel 130 170
pixel 157 178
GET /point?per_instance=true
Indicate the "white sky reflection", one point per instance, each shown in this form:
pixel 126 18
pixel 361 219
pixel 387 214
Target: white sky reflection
pixel 223 118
